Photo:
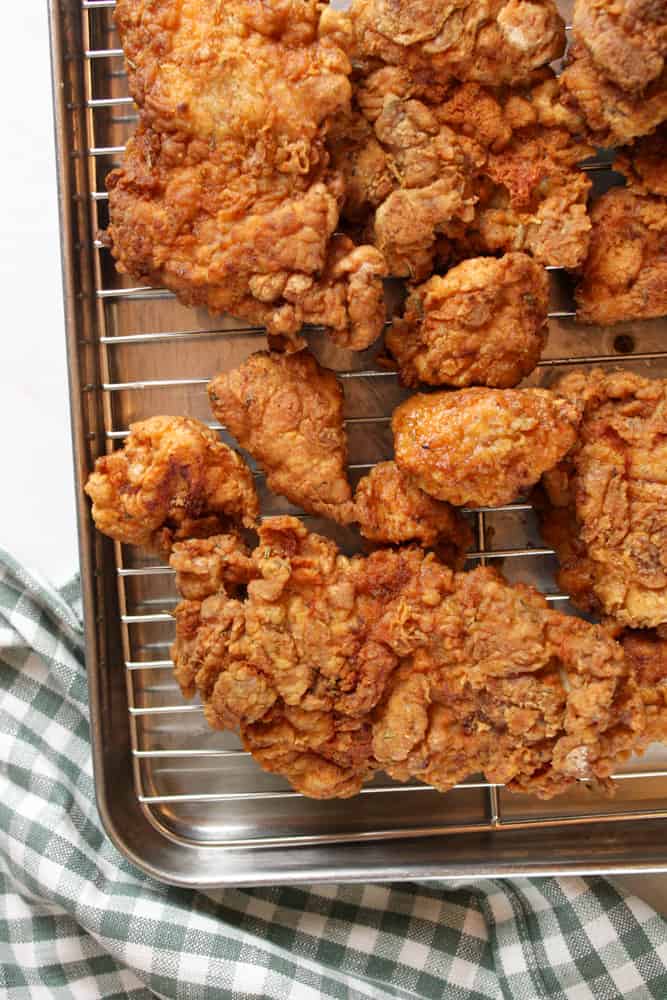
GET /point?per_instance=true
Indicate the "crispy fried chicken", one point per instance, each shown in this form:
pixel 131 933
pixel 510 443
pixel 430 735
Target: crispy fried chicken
pixel 606 503
pixel 501 41
pixel 333 667
pixel 287 412
pixel 482 447
pixel 173 479
pixel 617 74
pixel 225 194
pixel 391 509
pixel 625 274
pixel 646 653
pixel 484 323
pixel 464 169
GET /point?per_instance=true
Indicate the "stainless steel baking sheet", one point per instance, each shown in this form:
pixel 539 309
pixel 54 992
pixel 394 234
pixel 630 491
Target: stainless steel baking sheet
pixel 183 802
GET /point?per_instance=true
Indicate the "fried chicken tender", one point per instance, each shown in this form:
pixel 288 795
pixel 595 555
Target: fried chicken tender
pixel 173 479
pixel 606 503
pixel 484 323
pixel 502 163
pixel 391 509
pixel 625 274
pixel 617 73
pixel 287 412
pixel 501 41
pixel 225 195
pixel 333 667
pixel 482 447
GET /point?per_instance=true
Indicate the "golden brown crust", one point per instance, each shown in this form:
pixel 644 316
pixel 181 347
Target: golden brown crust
pixel 173 479
pixel 616 74
pixel 606 503
pixel 287 411
pixel 333 667
pixel 484 323
pixel 625 274
pixel 391 509
pixel 482 447
pixel 646 653
pixel 225 195
pixel 502 41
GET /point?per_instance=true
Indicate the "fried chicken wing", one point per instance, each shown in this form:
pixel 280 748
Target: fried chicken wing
pixel 501 41
pixel 607 502
pixel 482 447
pixel 225 195
pixel 287 412
pixel 625 274
pixel 617 74
pixel 173 479
pixel 333 667
pixel 391 509
pixel 484 323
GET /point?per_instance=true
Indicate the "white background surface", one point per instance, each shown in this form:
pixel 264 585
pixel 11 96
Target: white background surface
pixel 37 522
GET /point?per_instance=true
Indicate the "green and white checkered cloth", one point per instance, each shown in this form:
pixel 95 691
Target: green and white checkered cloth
pixel 78 921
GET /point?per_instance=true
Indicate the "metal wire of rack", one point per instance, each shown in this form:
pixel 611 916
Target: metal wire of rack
pixel 185 775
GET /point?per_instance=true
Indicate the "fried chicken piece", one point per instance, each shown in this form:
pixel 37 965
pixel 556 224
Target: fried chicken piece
pixel 332 667
pixel 501 41
pixel 173 479
pixel 503 163
pixel 484 323
pixel 225 195
pixel 482 447
pixel 617 77
pixel 391 509
pixel 606 502
pixel 646 653
pixel 503 686
pixel 287 411
pixel 206 566
pixel 625 274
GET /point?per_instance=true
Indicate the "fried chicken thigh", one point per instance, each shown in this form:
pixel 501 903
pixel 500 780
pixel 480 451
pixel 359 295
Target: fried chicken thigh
pixel 501 41
pixel 606 512
pixel 482 447
pixel 287 412
pixel 390 508
pixel 225 194
pixel 625 274
pixel 333 667
pixel 173 479
pixel 484 323
pixel 617 73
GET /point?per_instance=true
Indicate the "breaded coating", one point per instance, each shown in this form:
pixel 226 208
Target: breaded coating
pixel 606 512
pixel 333 667
pixel 616 74
pixel 646 653
pixel 391 509
pixel 482 447
pixel 501 41
pixel 464 168
pixel 173 479
pixel 205 566
pixel 225 195
pixel 484 323
pixel 625 274
pixel 287 412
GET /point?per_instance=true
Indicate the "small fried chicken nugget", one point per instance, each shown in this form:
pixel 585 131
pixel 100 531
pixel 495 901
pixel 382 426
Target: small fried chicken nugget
pixel 482 447
pixel 484 323
pixel 174 479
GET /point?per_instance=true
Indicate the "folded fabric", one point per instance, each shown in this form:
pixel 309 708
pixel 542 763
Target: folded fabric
pixel 79 921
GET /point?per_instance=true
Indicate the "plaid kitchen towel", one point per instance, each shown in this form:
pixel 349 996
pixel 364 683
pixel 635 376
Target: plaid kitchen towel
pixel 78 921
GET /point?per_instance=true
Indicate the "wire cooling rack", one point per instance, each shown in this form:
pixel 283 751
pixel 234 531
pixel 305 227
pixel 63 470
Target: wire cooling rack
pixel 198 787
